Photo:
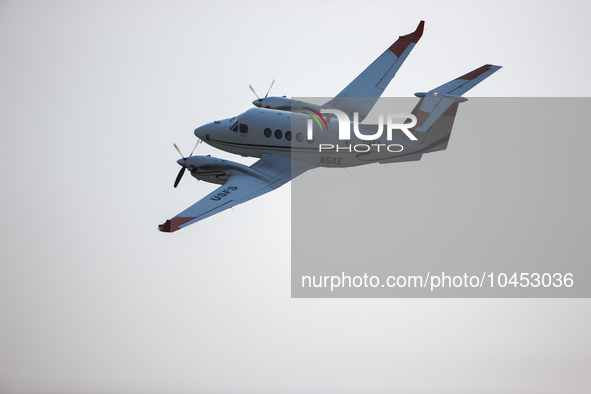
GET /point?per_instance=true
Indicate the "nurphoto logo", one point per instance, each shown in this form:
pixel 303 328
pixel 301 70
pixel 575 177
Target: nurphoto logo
pixel 366 140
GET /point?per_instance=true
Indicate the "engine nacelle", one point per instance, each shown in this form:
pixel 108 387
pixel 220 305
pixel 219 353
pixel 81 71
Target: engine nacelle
pixel 286 104
pixel 214 170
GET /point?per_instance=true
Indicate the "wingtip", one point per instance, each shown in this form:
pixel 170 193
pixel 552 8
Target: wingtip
pixel 403 42
pixel 419 30
pixel 166 227
pixel 416 35
pixel 172 225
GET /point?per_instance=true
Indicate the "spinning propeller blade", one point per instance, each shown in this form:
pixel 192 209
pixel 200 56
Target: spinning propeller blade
pixel 179 176
pixel 255 93
pixel 272 83
pixel 182 171
pixel 178 150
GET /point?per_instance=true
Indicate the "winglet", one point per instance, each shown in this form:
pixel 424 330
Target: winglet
pixel 403 42
pixel 172 225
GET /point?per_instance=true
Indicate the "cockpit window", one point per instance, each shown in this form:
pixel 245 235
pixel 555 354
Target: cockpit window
pixel 234 122
pixel 243 128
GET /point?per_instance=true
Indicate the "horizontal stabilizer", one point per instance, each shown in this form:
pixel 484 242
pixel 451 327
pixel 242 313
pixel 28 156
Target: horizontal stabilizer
pixel 435 102
pixel 461 85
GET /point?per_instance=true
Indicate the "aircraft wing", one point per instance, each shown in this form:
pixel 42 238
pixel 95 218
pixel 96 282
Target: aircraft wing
pixel 238 189
pixel 365 90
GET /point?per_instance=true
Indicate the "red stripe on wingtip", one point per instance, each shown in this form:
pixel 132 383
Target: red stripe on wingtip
pixel 403 42
pixel 473 74
pixel 172 225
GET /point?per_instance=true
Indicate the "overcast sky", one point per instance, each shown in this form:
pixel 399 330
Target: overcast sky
pixel 94 299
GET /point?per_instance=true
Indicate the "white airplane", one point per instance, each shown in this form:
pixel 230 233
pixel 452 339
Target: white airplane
pixel 291 137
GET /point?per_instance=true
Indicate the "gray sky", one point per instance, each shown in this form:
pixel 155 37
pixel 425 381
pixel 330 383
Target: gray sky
pixel 94 299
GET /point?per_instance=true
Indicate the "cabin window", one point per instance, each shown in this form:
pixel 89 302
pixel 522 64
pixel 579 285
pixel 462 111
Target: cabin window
pixel 243 128
pixel 278 134
pixel 268 132
pixel 288 135
pixel 299 137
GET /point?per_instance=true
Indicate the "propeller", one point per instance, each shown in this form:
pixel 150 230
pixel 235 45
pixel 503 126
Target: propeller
pixel 179 176
pixel 255 93
pixel 182 171
pixel 272 83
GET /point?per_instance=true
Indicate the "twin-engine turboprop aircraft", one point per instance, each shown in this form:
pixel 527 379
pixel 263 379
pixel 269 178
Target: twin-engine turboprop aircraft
pixel 291 136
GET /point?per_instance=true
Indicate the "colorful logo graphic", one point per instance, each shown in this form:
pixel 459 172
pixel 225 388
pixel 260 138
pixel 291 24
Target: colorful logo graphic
pixel 316 116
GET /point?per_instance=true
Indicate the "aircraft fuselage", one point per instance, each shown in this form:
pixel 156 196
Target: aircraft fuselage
pixel 260 131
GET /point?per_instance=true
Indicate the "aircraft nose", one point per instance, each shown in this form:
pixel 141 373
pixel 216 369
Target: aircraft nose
pixel 199 133
pixel 209 130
